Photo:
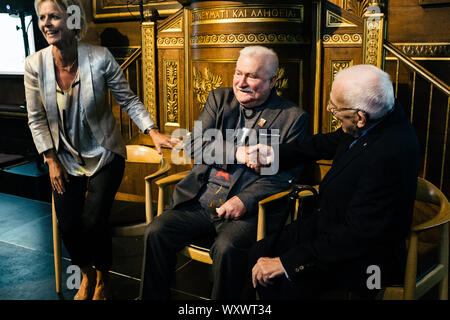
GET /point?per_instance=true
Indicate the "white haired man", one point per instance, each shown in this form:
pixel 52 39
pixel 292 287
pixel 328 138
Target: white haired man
pixel 364 208
pixel 233 188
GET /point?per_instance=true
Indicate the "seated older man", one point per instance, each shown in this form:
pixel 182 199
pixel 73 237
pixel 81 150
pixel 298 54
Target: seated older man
pixel 218 181
pixel 355 238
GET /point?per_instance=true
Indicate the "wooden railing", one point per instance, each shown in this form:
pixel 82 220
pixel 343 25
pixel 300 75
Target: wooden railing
pixel 132 69
pixel 429 108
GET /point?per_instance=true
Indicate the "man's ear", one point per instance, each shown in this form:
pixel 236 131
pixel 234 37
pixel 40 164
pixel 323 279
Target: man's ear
pixel 362 120
pixel 273 81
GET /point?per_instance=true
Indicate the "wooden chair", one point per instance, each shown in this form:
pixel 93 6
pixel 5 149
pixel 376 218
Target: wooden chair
pixel 130 213
pixel 432 209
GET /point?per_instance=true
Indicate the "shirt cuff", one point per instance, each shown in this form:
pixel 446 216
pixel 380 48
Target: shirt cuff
pixel 285 273
pixel 146 131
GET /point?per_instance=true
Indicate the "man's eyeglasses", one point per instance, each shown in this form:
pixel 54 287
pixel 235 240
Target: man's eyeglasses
pixel 335 110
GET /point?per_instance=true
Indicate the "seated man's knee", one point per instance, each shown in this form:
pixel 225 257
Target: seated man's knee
pixel 224 247
pixel 153 229
pixel 162 230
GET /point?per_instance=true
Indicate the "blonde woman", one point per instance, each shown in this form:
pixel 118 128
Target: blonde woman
pixel 73 127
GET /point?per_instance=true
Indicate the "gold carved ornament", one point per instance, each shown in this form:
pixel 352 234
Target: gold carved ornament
pixel 372 44
pixel 171 73
pixel 345 38
pixel 148 59
pixel 250 38
pixel 373 36
pixel 357 7
pixel 282 81
pixel 203 84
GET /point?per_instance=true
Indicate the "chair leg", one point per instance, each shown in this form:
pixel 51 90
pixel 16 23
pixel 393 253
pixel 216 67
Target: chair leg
pixel 141 286
pixel 56 250
pixel 443 287
pixel 411 268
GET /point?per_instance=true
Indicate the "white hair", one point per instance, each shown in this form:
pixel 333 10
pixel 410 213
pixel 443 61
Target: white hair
pixel 367 88
pixel 271 58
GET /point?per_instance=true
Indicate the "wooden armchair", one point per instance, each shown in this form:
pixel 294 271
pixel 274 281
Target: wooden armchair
pixel 198 252
pixel 432 209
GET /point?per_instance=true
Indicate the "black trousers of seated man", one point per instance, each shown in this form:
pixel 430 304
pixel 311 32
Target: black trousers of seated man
pixel 176 228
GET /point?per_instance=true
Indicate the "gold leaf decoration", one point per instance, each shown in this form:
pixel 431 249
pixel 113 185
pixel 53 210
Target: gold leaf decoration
pixel 357 7
pixel 282 81
pixel 172 90
pixel 203 84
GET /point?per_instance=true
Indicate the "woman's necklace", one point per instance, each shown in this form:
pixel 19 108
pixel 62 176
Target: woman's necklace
pixel 68 68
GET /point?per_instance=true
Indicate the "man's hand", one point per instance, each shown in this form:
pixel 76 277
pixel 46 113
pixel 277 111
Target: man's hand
pixel 265 270
pixel 233 208
pixel 244 156
pixel 161 139
pixel 255 156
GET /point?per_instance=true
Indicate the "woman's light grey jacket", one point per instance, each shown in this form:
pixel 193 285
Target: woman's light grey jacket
pixel 98 71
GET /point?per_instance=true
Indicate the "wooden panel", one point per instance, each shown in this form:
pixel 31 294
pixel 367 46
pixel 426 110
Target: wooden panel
pixel 219 30
pixel 342 40
pixel 410 22
pixel 12 90
pixel 171 93
pixel 111 34
pixel 171 73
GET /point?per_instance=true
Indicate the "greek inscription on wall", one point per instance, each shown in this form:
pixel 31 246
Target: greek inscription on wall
pixel 220 14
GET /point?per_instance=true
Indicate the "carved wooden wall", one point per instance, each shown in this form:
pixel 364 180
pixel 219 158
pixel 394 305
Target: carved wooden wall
pixel 350 35
pixel 171 51
pixel 346 34
pixel 342 39
pixel 197 48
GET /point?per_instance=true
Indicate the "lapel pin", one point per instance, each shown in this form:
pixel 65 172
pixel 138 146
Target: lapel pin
pixel 261 122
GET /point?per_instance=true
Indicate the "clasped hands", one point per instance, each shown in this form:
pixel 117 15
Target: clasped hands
pixel 255 156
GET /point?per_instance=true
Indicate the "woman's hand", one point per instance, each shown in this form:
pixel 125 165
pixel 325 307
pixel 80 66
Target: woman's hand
pixel 161 139
pixel 57 172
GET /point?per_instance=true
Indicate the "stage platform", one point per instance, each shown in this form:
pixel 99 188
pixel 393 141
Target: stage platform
pixel 29 180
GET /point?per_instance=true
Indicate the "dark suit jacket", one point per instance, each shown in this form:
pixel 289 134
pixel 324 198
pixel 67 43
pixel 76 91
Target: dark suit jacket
pixel 365 202
pixel 221 111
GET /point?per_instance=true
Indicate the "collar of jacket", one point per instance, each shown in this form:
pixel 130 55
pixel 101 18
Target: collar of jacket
pixel 345 159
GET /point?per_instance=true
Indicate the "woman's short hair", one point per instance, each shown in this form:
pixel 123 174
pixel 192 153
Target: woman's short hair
pixel 367 88
pixel 64 5
pixel 271 57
